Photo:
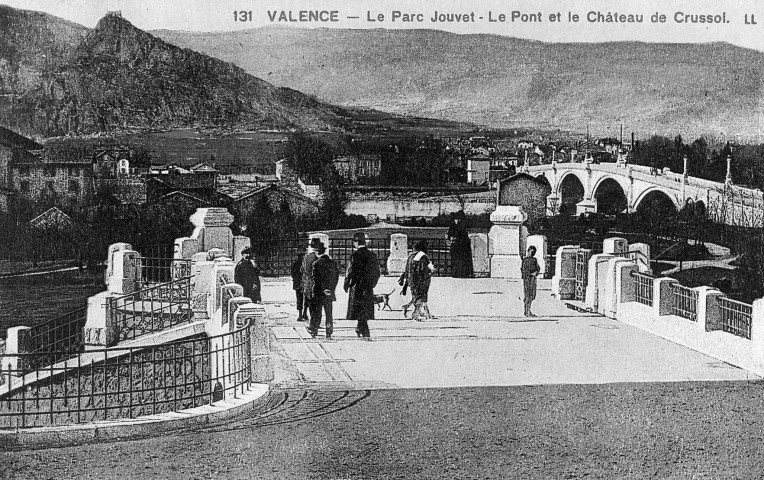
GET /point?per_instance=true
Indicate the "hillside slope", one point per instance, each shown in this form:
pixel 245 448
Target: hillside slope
pixel 57 78
pixel 500 81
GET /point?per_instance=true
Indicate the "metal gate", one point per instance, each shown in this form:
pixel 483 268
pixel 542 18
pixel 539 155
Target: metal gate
pixel 582 272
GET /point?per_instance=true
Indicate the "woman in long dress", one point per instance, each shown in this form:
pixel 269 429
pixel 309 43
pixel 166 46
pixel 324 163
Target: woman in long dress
pixel 420 276
pixel 461 248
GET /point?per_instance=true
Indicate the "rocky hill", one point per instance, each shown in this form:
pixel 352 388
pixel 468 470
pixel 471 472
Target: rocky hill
pixel 59 78
pixel 666 88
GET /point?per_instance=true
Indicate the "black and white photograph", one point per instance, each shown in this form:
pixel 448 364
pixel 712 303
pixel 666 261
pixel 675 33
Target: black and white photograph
pixel 286 239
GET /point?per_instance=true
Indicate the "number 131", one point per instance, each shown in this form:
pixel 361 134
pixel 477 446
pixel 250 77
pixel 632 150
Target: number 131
pixel 242 16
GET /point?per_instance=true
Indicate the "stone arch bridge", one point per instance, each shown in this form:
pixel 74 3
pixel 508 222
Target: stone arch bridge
pixel 613 188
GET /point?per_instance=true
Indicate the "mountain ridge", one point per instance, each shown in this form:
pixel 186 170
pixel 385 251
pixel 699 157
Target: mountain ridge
pixel 713 88
pixel 116 78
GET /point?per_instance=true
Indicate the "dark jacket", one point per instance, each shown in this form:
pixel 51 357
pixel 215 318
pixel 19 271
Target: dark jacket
pixel 361 278
pixel 529 268
pixel 326 275
pixel 307 273
pixel 297 272
pixel 246 275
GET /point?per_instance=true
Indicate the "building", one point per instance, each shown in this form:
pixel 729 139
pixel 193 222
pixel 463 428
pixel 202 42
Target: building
pixel 63 174
pixel 14 148
pixel 353 168
pixel 478 168
pixel 199 181
pixel 526 191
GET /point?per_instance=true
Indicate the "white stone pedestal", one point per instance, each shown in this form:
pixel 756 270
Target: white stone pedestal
pixel 507 237
pixel 399 253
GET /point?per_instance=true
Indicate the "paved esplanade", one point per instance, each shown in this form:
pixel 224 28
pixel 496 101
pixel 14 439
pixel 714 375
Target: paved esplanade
pixel 480 338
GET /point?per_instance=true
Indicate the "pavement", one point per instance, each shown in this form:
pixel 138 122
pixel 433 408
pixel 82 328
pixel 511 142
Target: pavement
pixel 479 338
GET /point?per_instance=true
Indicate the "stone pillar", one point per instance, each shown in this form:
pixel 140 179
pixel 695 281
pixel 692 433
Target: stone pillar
pixel 113 248
pixel 539 241
pixel 213 228
pixel 612 287
pixel 597 272
pixel 101 323
pixel 17 342
pixel 625 282
pixel 262 365
pixel 709 310
pixel 728 177
pixel 399 253
pixel 614 245
pixel 663 295
pixel 642 257
pixel 564 279
pixel 757 332
pixel 480 259
pixel 123 274
pixel 506 238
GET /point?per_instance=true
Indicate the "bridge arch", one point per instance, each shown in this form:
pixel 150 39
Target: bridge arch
pixel 657 200
pixel 570 190
pixel 611 196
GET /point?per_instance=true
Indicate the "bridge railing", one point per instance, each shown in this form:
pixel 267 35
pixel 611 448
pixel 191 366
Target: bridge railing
pixel 644 285
pixel 685 302
pixel 736 317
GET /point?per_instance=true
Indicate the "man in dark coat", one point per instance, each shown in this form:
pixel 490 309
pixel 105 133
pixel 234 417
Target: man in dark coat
pixel 325 279
pixel 246 275
pixel 307 273
pixel 302 307
pixel 361 278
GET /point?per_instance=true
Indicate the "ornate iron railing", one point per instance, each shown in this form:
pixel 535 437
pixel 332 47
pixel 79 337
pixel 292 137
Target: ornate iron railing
pixel 643 287
pixel 60 334
pixel 151 309
pixel 736 317
pixel 126 382
pixel 156 270
pixel 685 302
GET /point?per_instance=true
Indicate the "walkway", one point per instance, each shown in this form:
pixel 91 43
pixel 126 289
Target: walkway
pixel 480 338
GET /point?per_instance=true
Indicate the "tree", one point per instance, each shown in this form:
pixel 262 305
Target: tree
pixel 308 156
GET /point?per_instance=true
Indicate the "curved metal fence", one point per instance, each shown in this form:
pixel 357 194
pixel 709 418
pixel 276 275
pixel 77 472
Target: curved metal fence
pixel 124 382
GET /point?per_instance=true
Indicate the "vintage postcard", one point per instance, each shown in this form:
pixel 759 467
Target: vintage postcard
pixel 381 239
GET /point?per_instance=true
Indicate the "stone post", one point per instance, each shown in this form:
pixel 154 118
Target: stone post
pixel 564 279
pixel 643 257
pixel 101 323
pixel 709 310
pixel 211 230
pixel 612 286
pixel 624 277
pixel 614 245
pixel 728 177
pixel 663 295
pixel 399 253
pixel 597 273
pixel 757 332
pixel 539 241
pixel 123 274
pixel 113 248
pixel 480 259
pixel 507 240
pixel 17 342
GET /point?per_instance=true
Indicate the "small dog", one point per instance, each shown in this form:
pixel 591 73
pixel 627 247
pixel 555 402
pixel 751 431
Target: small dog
pixel 382 300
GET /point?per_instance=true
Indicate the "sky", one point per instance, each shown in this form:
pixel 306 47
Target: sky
pixel 218 15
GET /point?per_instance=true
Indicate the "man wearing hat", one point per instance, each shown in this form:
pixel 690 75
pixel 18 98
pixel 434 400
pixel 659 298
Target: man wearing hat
pixel 361 278
pixel 307 275
pixel 246 275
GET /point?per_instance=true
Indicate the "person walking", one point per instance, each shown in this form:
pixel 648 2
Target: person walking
pixel 404 280
pixel 360 279
pixel 307 273
pixel 247 275
pixel 325 279
pixel 302 307
pixel 529 270
pixel 461 247
pixel 420 278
